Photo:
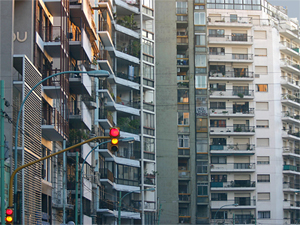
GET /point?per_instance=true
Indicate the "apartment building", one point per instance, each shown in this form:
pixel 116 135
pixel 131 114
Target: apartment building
pixel 115 36
pixel 228 80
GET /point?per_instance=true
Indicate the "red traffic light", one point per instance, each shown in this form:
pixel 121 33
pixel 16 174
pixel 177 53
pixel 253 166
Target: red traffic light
pixel 114 132
pixel 8 218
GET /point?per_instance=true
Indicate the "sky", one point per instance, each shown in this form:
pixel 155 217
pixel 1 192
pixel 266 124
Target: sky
pixel 292 5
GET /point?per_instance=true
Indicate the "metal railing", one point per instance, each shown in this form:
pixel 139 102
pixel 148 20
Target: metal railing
pixel 233 147
pixel 106 174
pixel 290 45
pixel 231 92
pixel 228 19
pixel 293 98
pixel 230 56
pixel 233 166
pixel 228 110
pixel 292 168
pixel 291 80
pixel 288 62
pixel 230 38
pixel 291 185
pixel 290 115
pixel 233 184
pixel 236 128
pixel 291 150
pixel 231 74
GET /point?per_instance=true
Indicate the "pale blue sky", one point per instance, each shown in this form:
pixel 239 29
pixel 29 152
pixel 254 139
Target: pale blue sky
pixel 292 5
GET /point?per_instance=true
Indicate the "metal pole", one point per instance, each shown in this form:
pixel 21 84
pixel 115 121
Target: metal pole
pixel 119 208
pixel 64 182
pixel 159 213
pixel 233 219
pixel 2 152
pixel 76 188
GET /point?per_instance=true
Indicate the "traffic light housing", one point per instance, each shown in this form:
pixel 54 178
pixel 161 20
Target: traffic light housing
pixel 9 215
pixel 114 134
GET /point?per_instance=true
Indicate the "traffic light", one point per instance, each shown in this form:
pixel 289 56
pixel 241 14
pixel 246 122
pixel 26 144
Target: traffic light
pixel 114 134
pixel 9 215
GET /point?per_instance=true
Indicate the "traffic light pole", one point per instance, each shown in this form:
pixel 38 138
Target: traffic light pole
pixel 41 159
pixel 2 185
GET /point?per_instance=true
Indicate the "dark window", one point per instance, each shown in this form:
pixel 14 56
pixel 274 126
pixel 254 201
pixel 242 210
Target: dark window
pixel 216 33
pixel 213 69
pixel 219 196
pixel 218 178
pixel 218 160
pixel 217 123
pixel 218 105
pixel 216 51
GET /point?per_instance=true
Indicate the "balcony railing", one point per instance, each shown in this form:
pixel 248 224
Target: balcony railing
pixel 106 174
pixel 228 19
pixel 291 150
pixel 184 219
pixel 233 147
pixel 293 98
pixel 148 106
pixel 181 10
pixel 105 26
pixel 230 38
pixel 241 201
pixel 104 55
pixel 249 129
pixel 290 185
pixel 290 45
pixel 184 197
pixel 288 62
pixel 292 168
pixel 183 152
pixel 183 61
pixel 233 166
pixel 294 133
pixel 183 173
pixel 108 204
pixel 229 56
pixel 293 203
pixel 53 117
pixel 134 104
pixel 233 184
pixel 231 74
pixel 182 40
pixel 106 115
pixel 232 111
pixel 230 92
pixel 290 115
pixel 291 80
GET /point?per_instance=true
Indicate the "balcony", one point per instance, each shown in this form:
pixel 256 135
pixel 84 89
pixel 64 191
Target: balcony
pixel 230 57
pixel 127 8
pixel 239 220
pixel 148 205
pixel 236 185
pixel 290 151
pixel 290 118
pixel 291 100
pixel 230 39
pixel 184 174
pixel 243 203
pixel 231 76
pixel 54 41
pixel 80 117
pixel 232 112
pixel 291 169
pixel 233 167
pixel 105 61
pixel 232 130
pixel 105 119
pixel 289 65
pixel 229 21
pixel 185 219
pixel 55 86
pixel 289 49
pixel 184 197
pixel 106 176
pixel 290 82
pixel 149 179
pixel 128 77
pixel 54 126
pixel 182 62
pixel 231 93
pixel 234 149
pixel 80 84
pixel 293 135
pixel 182 43
pixel 291 204
pixel 106 34
pixel 148 106
pixel 79 43
pixel 128 107
pixel 83 10
pixel 290 186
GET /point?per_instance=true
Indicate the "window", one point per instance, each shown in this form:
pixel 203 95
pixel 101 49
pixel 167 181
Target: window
pixel 263 178
pixel 149 120
pixel 233 18
pixel 183 141
pixel 262 142
pixel 217 87
pixel 218 178
pixel 262 123
pixel 216 51
pixel 183 96
pixel 200 82
pixel 216 33
pixel 261 70
pixel 218 141
pixel 217 105
pixel 149 144
pixel 264 215
pixel 260 34
pixel 219 196
pixel 200 39
pixel 260 51
pixel 217 123
pixel 183 118
pixel 202 190
pixel 261 87
pixel 217 69
pixel 148 47
pixel 239 37
pixel 201 167
pixel 199 18
pixel 262 106
pixel 218 160
pixel 200 60
pixel 240 72
pixel 263 160
pixel 181 7
pixel 264 196
pixel 199 7
pixel 201 125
